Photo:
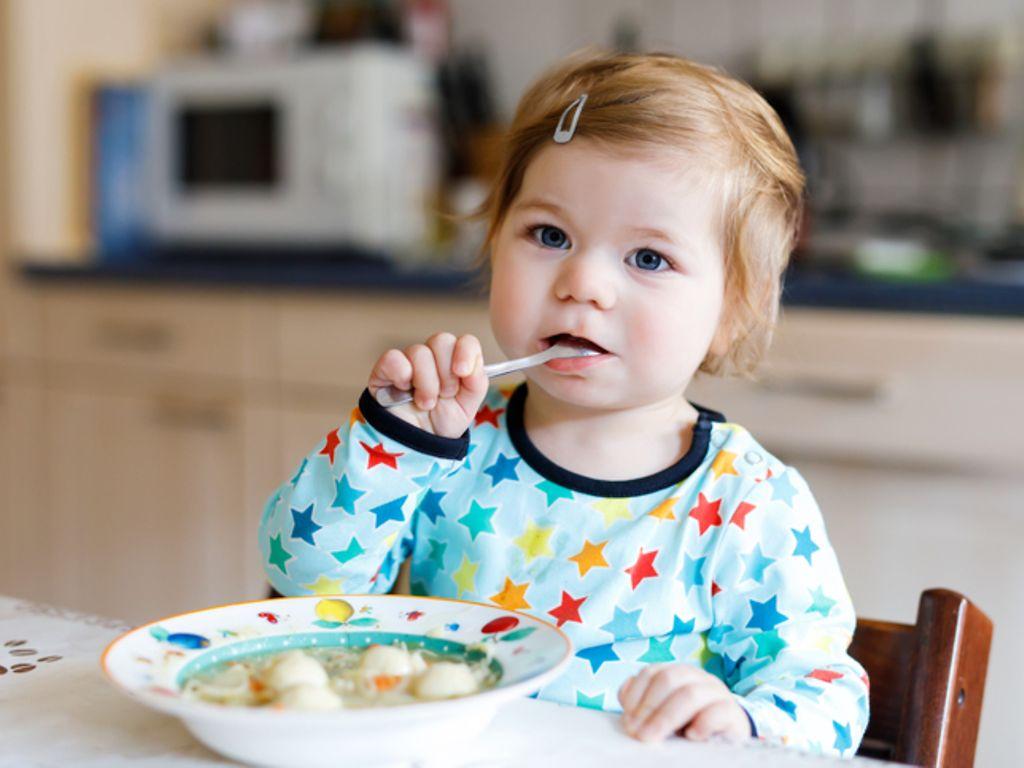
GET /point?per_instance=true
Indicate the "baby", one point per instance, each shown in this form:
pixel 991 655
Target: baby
pixel 645 210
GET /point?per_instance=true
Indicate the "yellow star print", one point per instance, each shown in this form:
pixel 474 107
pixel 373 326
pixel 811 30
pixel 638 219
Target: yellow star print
pixel 465 575
pixel 824 642
pixel 664 511
pixel 513 596
pixel 534 542
pixel 723 464
pixel 591 556
pixel 613 509
pixel 325 586
pixel 355 417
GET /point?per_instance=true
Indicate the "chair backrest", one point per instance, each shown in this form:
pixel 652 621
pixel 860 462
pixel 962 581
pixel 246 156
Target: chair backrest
pixel 927 681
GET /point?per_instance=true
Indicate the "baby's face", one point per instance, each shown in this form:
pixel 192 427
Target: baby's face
pixel 620 250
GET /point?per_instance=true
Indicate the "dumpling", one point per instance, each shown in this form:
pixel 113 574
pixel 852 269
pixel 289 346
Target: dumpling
pixel 227 686
pixel 445 679
pixel 296 668
pixel 310 698
pixel 389 660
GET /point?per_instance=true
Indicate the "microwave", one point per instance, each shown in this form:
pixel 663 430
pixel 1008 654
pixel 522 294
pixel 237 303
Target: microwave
pixel 338 147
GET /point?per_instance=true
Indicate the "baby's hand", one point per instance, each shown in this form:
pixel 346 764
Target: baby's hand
pixel 669 698
pixel 447 378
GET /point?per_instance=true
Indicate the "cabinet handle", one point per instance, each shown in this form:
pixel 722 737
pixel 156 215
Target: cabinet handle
pixel 868 391
pixel 134 337
pixel 175 413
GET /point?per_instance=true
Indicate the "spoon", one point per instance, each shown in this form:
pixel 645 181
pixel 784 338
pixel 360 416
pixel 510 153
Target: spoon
pixel 389 397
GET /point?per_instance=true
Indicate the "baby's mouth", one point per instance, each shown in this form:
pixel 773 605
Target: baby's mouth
pixel 573 341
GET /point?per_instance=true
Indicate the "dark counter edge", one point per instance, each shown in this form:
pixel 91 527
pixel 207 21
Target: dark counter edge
pixel 803 287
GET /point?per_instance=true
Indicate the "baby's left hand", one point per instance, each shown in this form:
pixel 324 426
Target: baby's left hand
pixel 665 698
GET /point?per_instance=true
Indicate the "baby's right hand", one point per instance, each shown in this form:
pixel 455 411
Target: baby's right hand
pixel 447 378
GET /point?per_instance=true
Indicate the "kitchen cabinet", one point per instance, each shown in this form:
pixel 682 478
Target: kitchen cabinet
pixel 146 498
pixel 25 517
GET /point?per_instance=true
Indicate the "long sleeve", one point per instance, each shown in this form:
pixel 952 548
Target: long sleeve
pixel 784 620
pixel 346 519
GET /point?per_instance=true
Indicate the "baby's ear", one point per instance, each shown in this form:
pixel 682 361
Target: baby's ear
pixel 722 341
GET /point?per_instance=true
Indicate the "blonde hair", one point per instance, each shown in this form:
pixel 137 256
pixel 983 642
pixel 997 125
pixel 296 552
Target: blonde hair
pixel 664 101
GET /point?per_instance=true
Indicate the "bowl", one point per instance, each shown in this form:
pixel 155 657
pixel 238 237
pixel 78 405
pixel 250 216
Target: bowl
pixel 151 663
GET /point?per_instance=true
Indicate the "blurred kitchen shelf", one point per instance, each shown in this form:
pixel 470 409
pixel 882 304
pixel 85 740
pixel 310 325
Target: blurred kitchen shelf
pixel 272 269
pixel 806 285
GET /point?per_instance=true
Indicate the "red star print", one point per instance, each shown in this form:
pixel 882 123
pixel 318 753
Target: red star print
pixel 706 513
pixel 715 589
pixel 379 456
pixel 488 415
pixel 569 610
pixel 333 441
pixel 643 567
pixel 825 675
pixel 739 517
pixel 867 683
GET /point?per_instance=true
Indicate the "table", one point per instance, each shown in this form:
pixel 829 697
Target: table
pixel 57 709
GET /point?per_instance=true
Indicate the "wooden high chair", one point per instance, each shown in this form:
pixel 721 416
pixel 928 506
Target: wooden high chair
pixel 927 681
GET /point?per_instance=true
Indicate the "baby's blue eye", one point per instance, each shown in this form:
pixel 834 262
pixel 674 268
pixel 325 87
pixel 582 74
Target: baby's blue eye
pixel 550 237
pixel 648 260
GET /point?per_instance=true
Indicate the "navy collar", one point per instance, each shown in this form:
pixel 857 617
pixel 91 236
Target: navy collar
pixel 640 486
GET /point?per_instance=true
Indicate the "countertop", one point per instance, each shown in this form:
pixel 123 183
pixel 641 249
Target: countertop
pixel 806 285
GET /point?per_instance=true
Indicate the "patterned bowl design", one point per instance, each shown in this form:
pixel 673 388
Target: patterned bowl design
pixel 152 662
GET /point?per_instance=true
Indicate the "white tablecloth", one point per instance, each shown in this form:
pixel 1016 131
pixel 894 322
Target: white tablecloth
pixel 58 710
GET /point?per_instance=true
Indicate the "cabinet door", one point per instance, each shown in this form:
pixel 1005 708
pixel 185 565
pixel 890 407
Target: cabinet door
pixel 148 501
pixel 24 514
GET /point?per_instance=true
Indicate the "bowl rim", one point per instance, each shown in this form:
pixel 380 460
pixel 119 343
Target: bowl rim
pixel 190 709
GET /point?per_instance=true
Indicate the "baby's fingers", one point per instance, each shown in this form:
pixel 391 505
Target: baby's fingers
pixel 392 369
pixel 425 381
pixel 466 356
pixel 676 711
pixel 723 717
pixel 443 347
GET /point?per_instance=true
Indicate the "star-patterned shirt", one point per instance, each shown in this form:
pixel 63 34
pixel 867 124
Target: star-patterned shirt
pixel 720 560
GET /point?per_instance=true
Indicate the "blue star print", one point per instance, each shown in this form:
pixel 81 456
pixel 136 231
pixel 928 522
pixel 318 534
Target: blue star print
pixel 754 563
pixel 390 511
pixel 782 488
pixel 303 526
pixel 789 707
pixel 504 468
pixel 693 571
pixel 346 496
pixel 598 655
pixel 624 624
pixel 680 627
pixel 805 547
pixel 431 505
pixel 843 741
pixel 764 615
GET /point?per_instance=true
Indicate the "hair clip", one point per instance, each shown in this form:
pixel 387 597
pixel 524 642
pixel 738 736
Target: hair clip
pixel 562 135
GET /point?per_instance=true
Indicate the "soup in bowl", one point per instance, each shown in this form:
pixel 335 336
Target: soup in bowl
pixel 307 680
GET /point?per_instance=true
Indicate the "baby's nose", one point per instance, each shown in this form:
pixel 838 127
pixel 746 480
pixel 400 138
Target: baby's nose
pixel 582 279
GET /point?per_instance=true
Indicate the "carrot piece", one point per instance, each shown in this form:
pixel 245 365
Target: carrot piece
pixel 386 682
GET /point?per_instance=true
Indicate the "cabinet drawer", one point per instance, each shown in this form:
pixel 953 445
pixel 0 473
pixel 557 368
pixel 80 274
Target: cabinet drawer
pixel 335 342
pixel 137 330
pixel 924 393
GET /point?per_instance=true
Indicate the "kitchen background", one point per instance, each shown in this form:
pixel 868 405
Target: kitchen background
pixel 215 215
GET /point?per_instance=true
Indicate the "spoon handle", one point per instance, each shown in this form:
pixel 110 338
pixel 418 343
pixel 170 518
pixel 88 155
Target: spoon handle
pixel 389 397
